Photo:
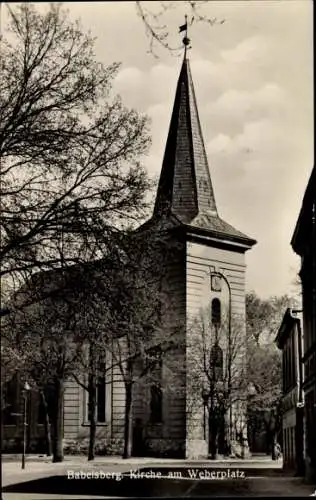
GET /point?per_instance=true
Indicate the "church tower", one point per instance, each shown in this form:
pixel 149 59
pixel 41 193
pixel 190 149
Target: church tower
pixel 205 280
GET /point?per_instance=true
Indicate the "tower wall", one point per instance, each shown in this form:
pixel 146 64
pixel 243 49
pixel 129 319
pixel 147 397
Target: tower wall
pixel 167 438
pixel 201 261
pixel 185 205
pixel 174 288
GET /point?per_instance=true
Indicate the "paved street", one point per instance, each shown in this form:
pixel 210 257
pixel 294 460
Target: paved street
pixel 75 478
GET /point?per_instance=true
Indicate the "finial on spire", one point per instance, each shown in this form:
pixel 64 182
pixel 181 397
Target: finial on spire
pixel 186 41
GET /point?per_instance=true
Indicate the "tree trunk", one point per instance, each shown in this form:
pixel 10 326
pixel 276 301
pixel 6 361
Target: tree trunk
pixel 58 455
pixel 213 434
pixel 92 415
pixel 92 392
pixel 268 441
pixel 228 437
pixel 128 422
pixel 48 436
pixel 273 446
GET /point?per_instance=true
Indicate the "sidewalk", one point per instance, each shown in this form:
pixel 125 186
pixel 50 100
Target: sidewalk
pixel 44 479
pixel 54 485
pixel 264 459
pixel 12 464
pixel 41 466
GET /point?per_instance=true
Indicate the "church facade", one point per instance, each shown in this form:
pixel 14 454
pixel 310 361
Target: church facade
pixel 205 280
pixel 207 272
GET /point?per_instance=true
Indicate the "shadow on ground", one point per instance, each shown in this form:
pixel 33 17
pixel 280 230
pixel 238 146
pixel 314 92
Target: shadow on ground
pixel 129 488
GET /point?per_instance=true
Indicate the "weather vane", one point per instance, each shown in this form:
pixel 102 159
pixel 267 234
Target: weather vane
pixel 186 41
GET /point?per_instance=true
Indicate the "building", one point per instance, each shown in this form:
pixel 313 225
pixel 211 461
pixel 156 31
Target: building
pixel 206 270
pixel 289 340
pixel 304 244
pixel 209 267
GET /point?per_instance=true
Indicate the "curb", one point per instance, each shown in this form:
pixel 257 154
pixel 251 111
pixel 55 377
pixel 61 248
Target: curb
pixel 116 460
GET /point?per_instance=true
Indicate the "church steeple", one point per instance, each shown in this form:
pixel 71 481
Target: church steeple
pixel 185 193
pixel 185 188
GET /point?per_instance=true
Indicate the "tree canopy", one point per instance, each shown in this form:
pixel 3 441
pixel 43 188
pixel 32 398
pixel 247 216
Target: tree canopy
pixel 70 151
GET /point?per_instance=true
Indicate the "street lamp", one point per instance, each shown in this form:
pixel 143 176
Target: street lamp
pixel 216 278
pixel 26 389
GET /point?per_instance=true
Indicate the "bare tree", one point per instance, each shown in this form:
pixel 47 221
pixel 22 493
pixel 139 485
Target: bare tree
pixel 70 175
pixel 263 317
pixel 264 363
pixel 132 330
pixel 42 330
pixel 217 364
pixel 265 373
pixel 153 17
pixel 67 321
pixel 69 151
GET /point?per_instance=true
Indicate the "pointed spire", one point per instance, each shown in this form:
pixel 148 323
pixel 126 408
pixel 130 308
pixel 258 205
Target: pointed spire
pixel 185 188
pixel 185 193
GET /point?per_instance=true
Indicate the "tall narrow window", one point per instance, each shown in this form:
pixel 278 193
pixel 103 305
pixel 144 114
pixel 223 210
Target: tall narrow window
pixel 216 362
pixel 294 367
pixel 100 393
pixel 216 312
pixel 290 363
pixel 156 404
pixel 101 388
pixel 286 368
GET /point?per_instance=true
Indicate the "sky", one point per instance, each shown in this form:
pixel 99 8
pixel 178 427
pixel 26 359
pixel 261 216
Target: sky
pixel 253 79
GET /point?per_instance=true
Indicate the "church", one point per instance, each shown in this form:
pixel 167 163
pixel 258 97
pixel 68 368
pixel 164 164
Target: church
pixel 205 280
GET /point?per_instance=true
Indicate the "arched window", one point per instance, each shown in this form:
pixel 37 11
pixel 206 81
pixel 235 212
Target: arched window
pixel 216 312
pixel 216 362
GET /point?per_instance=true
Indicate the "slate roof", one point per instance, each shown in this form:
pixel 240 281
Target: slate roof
pixel 215 224
pixel 185 188
pixel 185 184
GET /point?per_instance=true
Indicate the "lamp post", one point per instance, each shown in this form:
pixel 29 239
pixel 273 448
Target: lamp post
pixel 216 276
pixel 26 389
